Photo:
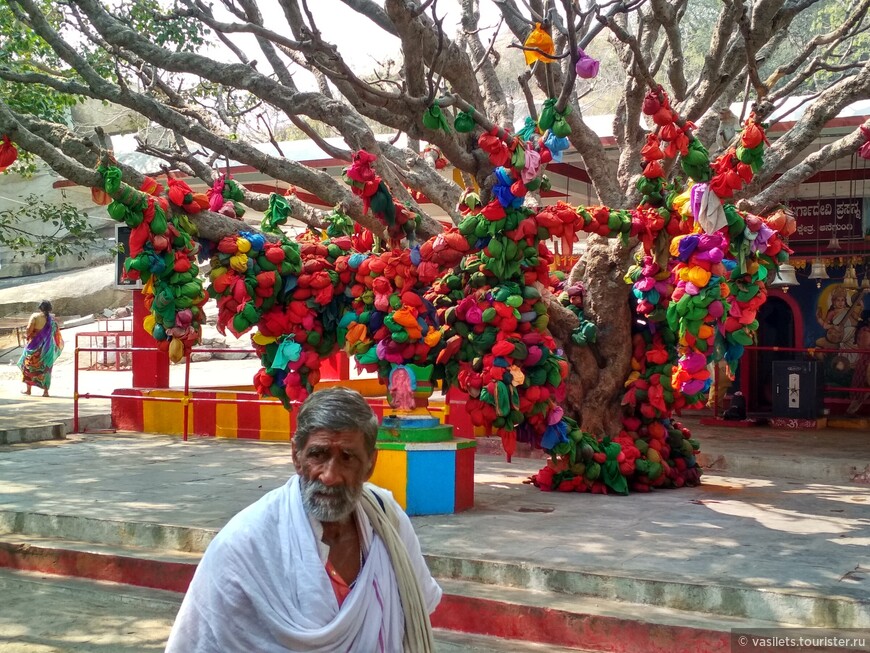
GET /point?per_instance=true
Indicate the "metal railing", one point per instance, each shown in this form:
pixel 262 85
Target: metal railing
pixel 102 358
pixel 188 398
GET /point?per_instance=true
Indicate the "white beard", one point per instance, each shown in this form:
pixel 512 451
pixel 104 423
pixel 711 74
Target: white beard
pixel 328 504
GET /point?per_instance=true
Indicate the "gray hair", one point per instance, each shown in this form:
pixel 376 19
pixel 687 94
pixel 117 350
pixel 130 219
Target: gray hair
pixel 336 409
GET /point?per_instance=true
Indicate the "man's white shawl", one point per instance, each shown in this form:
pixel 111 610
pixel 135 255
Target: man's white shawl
pixel 262 587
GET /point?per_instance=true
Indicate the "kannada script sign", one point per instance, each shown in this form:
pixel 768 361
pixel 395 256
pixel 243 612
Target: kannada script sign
pixel 821 219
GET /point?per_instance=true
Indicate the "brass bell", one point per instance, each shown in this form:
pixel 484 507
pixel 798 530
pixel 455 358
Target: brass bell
pixel 785 277
pixel 850 280
pixel 819 270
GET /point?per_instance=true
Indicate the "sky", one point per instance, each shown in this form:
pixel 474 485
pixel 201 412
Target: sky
pixel 360 41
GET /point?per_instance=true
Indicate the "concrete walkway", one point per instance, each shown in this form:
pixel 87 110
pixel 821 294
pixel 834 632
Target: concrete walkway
pixel 776 535
pixel 32 418
pixel 826 455
pixel 783 551
pixel 50 614
pixel 57 615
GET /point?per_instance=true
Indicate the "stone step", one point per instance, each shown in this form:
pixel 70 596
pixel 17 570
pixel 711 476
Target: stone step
pixel 804 607
pixel 786 465
pixel 534 613
pixel 489 615
pixel 164 556
pixel 593 624
pixel 127 565
pixel 17 580
pixel 34 433
pixel 81 616
pixel 146 535
pixel 44 614
pixel 40 430
pixel 449 641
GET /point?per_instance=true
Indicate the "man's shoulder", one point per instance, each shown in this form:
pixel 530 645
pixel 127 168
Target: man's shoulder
pixel 395 513
pixel 383 496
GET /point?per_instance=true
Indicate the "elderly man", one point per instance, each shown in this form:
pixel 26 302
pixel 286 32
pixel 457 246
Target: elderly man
pixel 325 563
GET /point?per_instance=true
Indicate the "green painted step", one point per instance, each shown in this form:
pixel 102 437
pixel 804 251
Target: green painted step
pixel 440 433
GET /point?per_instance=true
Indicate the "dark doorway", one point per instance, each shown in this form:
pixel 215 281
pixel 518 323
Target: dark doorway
pixel 776 328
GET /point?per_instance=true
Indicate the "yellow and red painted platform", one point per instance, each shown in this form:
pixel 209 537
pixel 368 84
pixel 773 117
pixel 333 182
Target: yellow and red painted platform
pixel 425 477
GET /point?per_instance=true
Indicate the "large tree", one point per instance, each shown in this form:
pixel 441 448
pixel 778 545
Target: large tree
pixel 208 73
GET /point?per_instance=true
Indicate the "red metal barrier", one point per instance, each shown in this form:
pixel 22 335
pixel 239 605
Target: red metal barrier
pixel 187 399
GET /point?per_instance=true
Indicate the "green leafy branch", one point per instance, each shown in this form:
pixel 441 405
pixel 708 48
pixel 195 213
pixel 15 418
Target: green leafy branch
pixel 73 233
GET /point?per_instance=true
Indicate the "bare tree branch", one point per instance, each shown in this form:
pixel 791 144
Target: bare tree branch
pixel 334 152
pixel 639 61
pixel 176 159
pixel 523 81
pixel 573 44
pixel 319 183
pixel 452 61
pixel 212 226
pixel 786 186
pixel 496 105
pixel 807 128
pixel 198 10
pixel 667 15
pixel 745 25
pixel 373 12
pixel 831 38
pixel 712 78
pixel 414 172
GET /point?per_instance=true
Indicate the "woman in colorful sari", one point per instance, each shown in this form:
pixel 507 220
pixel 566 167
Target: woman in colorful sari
pixel 44 345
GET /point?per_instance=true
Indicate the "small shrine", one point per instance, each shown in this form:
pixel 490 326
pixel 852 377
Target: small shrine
pixel 428 470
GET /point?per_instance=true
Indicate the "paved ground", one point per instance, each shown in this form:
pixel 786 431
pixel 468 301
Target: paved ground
pixel 797 533
pixel 764 533
pixel 57 615
pixel 757 449
pixel 45 614
pixel 17 410
pixel 793 534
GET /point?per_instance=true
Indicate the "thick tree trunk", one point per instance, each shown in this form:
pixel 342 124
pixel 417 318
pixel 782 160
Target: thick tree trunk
pixel 597 372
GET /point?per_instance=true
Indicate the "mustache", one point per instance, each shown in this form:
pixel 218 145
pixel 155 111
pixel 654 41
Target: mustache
pixel 328 503
pixel 310 488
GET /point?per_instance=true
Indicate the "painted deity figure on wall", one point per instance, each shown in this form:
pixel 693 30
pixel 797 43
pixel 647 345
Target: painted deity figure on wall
pixel 840 319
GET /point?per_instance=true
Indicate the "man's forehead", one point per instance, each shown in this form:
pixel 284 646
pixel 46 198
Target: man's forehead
pixel 326 437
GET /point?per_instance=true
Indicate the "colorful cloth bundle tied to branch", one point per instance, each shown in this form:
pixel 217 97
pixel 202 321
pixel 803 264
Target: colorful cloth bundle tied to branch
pixel 697 305
pixel 471 301
pixel 8 153
pixel 226 197
pixel 162 253
pixel 401 221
